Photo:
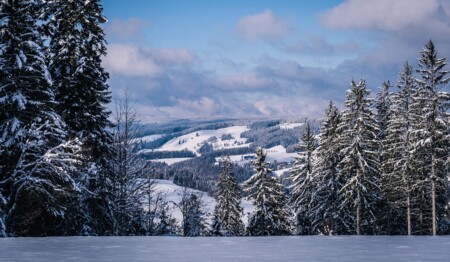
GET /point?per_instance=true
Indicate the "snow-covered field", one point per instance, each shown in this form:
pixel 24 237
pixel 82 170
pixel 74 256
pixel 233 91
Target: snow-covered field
pixel 171 161
pixel 173 194
pixel 290 125
pixel 177 249
pixel 277 153
pixel 195 140
pixel 149 138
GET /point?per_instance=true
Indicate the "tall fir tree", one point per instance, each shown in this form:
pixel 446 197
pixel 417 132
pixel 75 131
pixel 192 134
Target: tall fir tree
pixel 228 211
pixel 431 137
pixel 77 45
pixel 327 216
pixel 398 176
pixel 271 216
pixel 360 164
pixel 303 187
pixel 35 158
pixel 382 105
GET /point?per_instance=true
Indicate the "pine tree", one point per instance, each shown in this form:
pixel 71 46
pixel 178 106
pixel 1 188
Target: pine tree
pixel 228 211
pixel 327 216
pixel 383 108
pixel 359 165
pixel 431 134
pixel 35 161
pixel 398 177
pixel 271 216
pixel 194 222
pixel 303 187
pixel 167 224
pixel 76 48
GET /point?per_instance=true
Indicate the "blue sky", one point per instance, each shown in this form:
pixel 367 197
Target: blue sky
pixel 203 58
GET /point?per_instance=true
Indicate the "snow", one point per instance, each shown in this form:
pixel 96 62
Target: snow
pixel 149 138
pixel 280 172
pixel 279 154
pixel 175 249
pixel 290 125
pixel 195 140
pixel 173 193
pixel 171 161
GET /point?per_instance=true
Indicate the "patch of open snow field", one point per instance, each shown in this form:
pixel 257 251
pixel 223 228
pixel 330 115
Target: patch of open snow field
pixel 177 249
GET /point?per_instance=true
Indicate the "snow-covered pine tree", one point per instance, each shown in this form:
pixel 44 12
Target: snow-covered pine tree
pixel 399 177
pixel 228 211
pixel 129 170
pixel 271 216
pixel 35 161
pixel 194 221
pixel 327 216
pixel 302 188
pixel 77 45
pixel 166 224
pixel 76 48
pixel 359 165
pixel 382 107
pixel 431 135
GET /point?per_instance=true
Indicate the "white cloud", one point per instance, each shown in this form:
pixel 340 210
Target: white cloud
pixel 386 15
pixel 126 29
pixel 262 26
pixel 135 61
pixel 244 82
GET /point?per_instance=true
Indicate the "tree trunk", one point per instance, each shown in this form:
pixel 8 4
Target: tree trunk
pixel 433 195
pixel 408 206
pixel 358 219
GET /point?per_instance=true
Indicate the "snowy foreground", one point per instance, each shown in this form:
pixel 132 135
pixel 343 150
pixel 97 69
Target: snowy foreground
pixel 315 248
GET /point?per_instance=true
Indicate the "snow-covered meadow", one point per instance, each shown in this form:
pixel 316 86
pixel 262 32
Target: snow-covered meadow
pixel 176 249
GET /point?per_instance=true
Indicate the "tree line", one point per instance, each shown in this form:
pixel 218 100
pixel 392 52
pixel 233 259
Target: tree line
pixel 378 167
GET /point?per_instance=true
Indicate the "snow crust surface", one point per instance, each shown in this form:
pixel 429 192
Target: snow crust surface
pixel 176 249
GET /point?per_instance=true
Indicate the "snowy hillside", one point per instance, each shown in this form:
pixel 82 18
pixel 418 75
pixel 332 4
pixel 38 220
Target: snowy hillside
pixel 173 194
pixel 149 138
pixel 276 153
pixel 290 125
pixel 229 137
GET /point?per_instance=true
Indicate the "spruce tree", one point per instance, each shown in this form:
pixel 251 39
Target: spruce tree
pixel 271 216
pixel 35 161
pixel 359 165
pixel 76 48
pixel 399 177
pixel 303 187
pixel 431 134
pixel 194 222
pixel 382 107
pixel 228 211
pixel 167 224
pixel 327 216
